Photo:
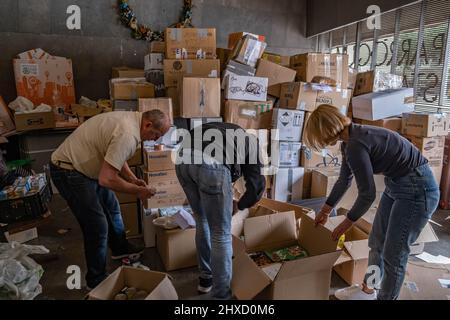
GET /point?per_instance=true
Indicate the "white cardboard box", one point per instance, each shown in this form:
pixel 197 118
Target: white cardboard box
pixel 384 104
pixel 246 88
pixel 288 184
pixel 286 154
pixel 288 124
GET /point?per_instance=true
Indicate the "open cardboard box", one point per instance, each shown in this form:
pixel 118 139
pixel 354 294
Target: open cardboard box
pixel 157 284
pixel 306 278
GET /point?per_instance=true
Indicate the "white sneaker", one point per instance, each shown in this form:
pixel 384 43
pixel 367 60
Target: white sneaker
pixel 354 292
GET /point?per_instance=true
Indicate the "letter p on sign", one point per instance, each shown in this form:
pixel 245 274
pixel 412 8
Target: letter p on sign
pixel 374 21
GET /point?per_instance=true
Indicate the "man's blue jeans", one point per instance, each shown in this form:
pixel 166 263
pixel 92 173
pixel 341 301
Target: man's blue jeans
pixel 98 212
pixel 406 206
pixel 208 188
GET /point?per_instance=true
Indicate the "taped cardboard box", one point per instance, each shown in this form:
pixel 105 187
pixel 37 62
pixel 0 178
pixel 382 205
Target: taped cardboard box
pixel 425 124
pixel 233 38
pixel 425 281
pixel 34 121
pixel 200 98
pixel 310 65
pixel 305 278
pixel 248 51
pixel 285 154
pixel 176 248
pixel 351 266
pixel 125 72
pixel 154 61
pixel 323 180
pixel 288 124
pixel 245 88
pixel 329 157
pixel 190 43
pixel 288 184
pixel 175 70
pixel 383 104
pixel 131 89
pixel 157 284
pixel 276 74
pixel 276 58
pixel 47 79
pixel 169 192
pixel 394 123
pixel 6 119
pixel 162 104
pixel 298 96
pixel 157 47
pixel 249 115
pixel 375 81
pixel 433 150
pixel 130 216
pixel 155 160
pixel 237 69
pixel 339 98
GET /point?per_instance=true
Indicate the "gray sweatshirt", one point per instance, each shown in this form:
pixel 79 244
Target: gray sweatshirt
pixel 372 150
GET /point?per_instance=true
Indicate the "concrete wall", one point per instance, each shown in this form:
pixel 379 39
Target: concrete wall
pixel 324 15
pixel 103 42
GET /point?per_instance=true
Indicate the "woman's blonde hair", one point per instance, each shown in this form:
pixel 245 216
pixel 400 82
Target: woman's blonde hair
pixel 324 126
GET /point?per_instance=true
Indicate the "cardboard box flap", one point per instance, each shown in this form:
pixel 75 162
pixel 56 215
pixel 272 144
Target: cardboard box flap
pixel 284 206
pixel 238 245
pixel 307 265
pixel 271 231
pixel 248 279
pixel 164 291
pixel 358 250
pixel 343 258
pixel 427 235
pixel 317 240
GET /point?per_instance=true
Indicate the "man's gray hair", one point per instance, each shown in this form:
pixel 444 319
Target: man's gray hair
pixel 157 117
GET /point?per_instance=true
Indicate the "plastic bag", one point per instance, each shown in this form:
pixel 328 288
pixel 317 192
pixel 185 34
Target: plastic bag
pixel 21 105
pixel 167 222
pixel 19 274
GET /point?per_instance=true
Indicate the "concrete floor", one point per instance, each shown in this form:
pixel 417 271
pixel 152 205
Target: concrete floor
pixel 67 249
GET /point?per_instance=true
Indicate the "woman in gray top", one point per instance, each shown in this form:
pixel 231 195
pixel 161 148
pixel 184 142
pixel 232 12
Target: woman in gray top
pixel 410 198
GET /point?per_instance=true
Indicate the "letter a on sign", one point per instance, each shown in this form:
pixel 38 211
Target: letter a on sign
pixel 74 280
pixel 374 21
pixel 73 22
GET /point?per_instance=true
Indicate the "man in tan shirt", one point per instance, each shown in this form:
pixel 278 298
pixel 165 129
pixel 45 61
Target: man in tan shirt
pixel 91 163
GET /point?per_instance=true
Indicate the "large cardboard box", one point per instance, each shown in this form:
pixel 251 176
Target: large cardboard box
pixel 339 98
pixel 131 89
pixel 200 97
pixel 302 279
pixel 233 38
pixel 155 161
pixel 298 95
pixel 329 157
pixel 248 50
pixel 157 284
pixel 125 72
pixel 433 150
pixel 175 70
pixel 237 69
pixel 6 120
pixel 276 74
pixel 288 184
pixel 394 123
pixel 323 180
pixel 249 115
pixel 45 79
pixel 375 81
pixel 425 281
pixel 176 248
pixel 285 154
pixel 383 104
pixel 190 43
pixel 130 216
pixel 246 88
pixel 310 65
pixel 276 58
pixel 351 266
pixel 154 61
pixel 289 124
pixel 425 124
pixel 169 192
pixel 163 104
pixel 34 120
pixel 157 47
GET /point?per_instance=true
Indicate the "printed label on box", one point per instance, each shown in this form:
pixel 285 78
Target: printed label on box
pixel 27 69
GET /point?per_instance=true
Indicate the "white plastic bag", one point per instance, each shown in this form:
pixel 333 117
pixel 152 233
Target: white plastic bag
pixel 21 105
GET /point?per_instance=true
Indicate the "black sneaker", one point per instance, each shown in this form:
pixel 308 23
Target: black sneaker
pixel 204 285
pixel 132 250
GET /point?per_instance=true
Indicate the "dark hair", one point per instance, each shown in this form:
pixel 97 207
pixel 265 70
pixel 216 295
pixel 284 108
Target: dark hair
pixel 157 117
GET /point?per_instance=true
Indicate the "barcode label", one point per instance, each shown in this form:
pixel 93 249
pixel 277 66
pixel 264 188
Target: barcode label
pixel 29 69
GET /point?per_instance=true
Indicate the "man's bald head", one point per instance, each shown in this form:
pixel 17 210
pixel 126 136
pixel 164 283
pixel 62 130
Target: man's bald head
pixel 155 124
